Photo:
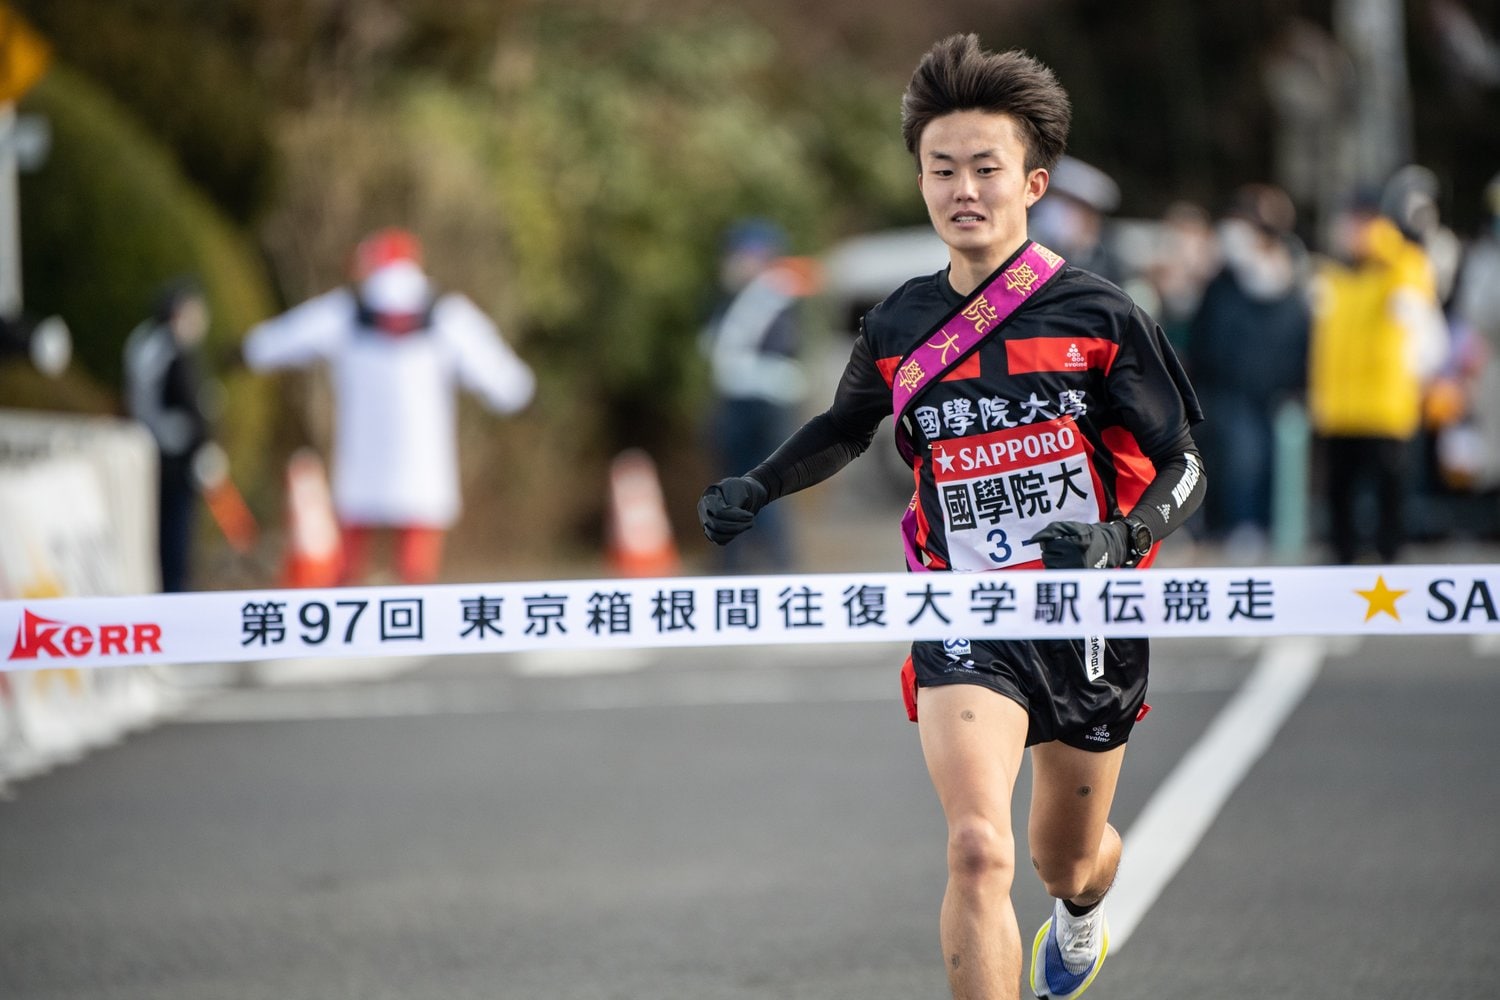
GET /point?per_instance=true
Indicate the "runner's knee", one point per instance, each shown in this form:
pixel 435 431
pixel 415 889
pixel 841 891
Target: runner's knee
pixel 978 850
pixel 1079 874
pixel 1067 879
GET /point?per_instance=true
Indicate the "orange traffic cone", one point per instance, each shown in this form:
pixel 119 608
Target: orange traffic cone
pixel 211 469
pixel 640 536
pixel 314 553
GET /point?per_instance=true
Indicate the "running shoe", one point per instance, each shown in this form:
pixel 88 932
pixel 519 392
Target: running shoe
pixel 1068 952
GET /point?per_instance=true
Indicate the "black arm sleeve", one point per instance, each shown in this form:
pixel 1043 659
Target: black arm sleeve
pixel 1177 490
pixel 1151 392
pixel 835 437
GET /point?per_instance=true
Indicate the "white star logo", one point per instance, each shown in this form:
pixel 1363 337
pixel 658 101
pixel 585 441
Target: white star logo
pixel 945 461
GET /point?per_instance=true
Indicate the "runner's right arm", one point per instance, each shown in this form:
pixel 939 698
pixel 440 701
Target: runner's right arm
pixel 821 447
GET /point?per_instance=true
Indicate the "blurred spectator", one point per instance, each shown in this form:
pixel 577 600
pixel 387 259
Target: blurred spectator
pixel 1185 259
pixel 396 348
pixel 751 340
pixel 164 390
pixel 1070 218
pixel 1470 452
pixel 1410 200
pixel 1247 353
pixel 1378 337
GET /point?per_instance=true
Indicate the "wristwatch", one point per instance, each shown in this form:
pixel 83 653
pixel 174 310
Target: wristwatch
pixel 1139 537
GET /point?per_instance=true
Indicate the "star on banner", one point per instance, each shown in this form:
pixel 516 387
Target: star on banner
pixel 1381 599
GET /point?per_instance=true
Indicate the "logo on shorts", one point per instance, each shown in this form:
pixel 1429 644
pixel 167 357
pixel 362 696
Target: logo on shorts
pixel 957 650
pixel 1099 735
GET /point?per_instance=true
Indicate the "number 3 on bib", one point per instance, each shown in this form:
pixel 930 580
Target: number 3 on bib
pixel 1001 542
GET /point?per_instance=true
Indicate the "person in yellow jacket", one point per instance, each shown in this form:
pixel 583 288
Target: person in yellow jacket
pixel 1378 337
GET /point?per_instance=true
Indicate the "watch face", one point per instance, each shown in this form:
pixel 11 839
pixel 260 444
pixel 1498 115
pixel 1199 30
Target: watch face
pixel 1140 538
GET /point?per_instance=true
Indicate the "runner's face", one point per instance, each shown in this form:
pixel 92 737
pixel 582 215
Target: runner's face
pixel 975 182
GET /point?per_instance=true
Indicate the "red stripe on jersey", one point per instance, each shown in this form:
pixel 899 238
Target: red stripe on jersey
pixel 924 527
pixel 967 368
pixel 1060 354
pixel 1133 470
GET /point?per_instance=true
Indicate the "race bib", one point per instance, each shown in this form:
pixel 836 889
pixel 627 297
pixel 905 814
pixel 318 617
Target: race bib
pixel 999 489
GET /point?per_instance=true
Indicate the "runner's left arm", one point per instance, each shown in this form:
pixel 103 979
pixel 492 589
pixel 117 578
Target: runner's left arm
pixel 1176 492
pixel 1168 500
pixel 1150 391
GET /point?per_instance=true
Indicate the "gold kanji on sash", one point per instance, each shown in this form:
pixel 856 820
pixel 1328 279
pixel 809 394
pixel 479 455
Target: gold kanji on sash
pixel 910 375
pixel 1052 259
pixel 950 342
pixel 1021 277
pixel 982 314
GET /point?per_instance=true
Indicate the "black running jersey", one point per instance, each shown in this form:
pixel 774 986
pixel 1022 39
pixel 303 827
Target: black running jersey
pixel 1055 417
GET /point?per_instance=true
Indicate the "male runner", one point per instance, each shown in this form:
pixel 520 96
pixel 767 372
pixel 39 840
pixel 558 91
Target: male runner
pixel 1058 438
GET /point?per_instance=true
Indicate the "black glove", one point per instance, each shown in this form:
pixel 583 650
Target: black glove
pixel 729 506
pixel 1075 545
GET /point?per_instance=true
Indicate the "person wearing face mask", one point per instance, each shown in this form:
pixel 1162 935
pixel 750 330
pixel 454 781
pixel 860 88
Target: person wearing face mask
pixel 397 349
pixel 1476 312
pixel 1073 217
pixel 751 342
pixel 1410 200
pixel 1378 338
pixel 1247 351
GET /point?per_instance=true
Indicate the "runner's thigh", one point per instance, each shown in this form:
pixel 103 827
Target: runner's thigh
pixel 1071 794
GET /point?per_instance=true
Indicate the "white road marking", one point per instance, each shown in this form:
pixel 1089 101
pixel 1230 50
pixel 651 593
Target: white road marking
pixel 1485 644
pixel 1185 804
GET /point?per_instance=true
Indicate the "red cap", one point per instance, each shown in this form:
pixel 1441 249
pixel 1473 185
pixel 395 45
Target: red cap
pixel 385 246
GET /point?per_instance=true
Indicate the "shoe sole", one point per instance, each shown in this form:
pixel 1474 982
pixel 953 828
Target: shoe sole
pixel 1036 963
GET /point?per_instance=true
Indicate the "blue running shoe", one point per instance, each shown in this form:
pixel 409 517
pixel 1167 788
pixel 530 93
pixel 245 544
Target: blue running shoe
pixel 1068 952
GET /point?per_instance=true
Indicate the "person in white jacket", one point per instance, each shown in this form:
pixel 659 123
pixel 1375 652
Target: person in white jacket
pixel 752 340
pixel 396 350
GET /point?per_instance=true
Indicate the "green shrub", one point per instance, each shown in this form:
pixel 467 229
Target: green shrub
pixel 107 220
pixel 186 72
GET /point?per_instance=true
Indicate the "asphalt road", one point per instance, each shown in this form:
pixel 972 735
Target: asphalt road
pixel 724 826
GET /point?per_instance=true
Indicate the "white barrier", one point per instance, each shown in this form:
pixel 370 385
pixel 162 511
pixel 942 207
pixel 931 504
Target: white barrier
pixel 77 502
pixel 588 615
pixel 122 458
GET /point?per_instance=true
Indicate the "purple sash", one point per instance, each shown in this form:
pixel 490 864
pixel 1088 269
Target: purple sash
pixel 938 353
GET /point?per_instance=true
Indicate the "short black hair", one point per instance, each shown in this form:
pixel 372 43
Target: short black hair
pixel 957 75
pixel 172 294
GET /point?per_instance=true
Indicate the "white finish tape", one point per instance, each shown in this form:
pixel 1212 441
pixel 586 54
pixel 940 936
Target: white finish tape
pixel 225 626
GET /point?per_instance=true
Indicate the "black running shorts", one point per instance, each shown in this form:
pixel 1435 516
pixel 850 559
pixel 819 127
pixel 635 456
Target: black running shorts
pixel 1086 693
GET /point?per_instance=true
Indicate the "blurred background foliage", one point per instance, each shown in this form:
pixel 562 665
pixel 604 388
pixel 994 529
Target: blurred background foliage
pixel 571 166
pixel 109 219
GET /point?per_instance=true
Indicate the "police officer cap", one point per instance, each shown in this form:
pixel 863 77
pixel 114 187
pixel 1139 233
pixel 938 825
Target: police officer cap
pixel 1085 183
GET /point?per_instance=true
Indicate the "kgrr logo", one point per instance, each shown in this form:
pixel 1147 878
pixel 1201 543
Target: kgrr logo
pixel 38 637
